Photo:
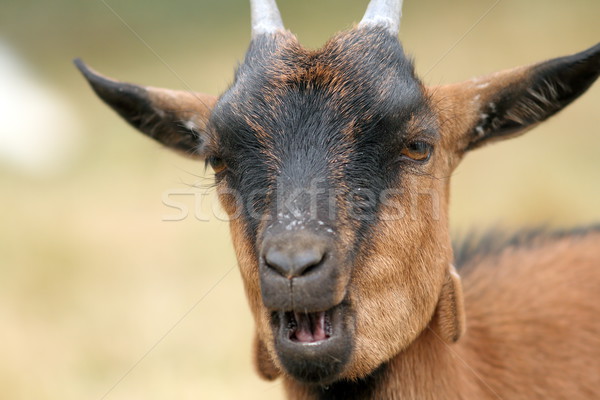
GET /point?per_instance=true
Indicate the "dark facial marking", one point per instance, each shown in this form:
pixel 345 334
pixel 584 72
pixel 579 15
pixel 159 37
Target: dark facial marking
pixel 339 115
pixel 352 390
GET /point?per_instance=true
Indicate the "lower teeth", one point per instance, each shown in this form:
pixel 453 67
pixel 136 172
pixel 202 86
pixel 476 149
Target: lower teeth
pixel 328 328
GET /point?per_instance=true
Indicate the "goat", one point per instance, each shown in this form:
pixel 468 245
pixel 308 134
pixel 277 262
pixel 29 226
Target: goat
pixel 318 154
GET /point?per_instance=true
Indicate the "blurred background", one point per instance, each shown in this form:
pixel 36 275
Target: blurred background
pixel 101 296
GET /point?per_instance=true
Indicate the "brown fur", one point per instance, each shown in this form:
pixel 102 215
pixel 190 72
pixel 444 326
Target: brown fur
pixel 460 104
pixel 526 325
pixel 525 306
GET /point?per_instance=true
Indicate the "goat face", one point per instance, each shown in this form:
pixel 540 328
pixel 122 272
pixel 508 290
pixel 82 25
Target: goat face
pixel 333 166
pixel 321 148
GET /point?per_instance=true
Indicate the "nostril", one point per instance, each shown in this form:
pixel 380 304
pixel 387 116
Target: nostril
pixel 294 263
pixel 308 268
pixel 308 261
pixel 277 261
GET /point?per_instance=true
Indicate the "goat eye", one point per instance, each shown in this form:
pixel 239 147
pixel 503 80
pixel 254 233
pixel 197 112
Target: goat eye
pixel 417 151
pixel 217 164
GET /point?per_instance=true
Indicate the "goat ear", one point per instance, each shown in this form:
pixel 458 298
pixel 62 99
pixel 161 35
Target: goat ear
pixel 449 318
pixel 263 362
pixel 508 103
pixel 177 119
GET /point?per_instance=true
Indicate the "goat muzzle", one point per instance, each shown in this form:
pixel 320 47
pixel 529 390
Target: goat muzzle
pixel 300 272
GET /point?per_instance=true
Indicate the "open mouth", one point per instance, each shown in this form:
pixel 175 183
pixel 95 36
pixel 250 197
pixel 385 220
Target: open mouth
pixel 309 327
pixel 315 346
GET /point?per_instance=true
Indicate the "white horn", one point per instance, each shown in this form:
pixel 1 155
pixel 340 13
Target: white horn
pixel 265 17
pixel 384 13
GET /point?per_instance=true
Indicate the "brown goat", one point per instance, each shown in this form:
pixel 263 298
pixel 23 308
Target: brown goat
pixel 333 165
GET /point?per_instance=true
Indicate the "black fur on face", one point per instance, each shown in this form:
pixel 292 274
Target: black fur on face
pixel 333 120
pixel 308 141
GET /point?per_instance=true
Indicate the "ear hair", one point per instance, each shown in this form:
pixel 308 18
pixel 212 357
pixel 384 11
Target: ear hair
pixel 175 118
pixel 262 360
pixel 509 103
pixel 449 317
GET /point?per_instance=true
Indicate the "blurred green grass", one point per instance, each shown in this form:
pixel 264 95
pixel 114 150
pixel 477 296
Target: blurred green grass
pixel 91 278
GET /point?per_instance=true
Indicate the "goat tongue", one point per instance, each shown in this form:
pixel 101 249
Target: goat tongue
pixel 310 327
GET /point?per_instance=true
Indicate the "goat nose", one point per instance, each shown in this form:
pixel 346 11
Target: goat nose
pixel 299 270
pixel 291 262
